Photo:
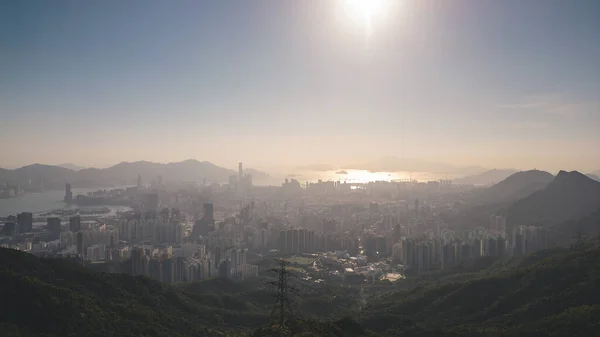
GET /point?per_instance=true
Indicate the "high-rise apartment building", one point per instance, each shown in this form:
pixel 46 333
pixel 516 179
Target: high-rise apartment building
pixel 75 224
pixel 53 225
pixel 25 222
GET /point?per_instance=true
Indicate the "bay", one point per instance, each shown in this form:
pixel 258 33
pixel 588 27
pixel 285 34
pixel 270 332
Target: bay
pixel 39 202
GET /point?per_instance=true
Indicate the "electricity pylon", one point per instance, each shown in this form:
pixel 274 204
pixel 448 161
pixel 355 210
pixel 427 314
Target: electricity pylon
pixel 282 310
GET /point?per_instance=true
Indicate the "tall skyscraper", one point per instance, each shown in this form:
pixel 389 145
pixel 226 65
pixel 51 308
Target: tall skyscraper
pixel 206 224
pixel 417 210
pixel 68 193
pixel 53 225
pixel 79 244
pixel 139 181
pixel 209 211
pixel 75 224
pixel 240 172
pixel 25 221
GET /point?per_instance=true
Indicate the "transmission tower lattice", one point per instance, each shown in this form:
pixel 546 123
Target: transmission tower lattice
pixel 282 310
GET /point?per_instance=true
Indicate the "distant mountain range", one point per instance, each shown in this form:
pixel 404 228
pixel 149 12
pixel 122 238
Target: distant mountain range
pixel 395 164
pixel 514 187
pixel 71 166
pixel 125 173
pixel 494 176
pixel 485 178
pixel 570 196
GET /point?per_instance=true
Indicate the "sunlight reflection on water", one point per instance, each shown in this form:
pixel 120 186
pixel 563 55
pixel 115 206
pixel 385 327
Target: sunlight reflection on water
pixel 364 176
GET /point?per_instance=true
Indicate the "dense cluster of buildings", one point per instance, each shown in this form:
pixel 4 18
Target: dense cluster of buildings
pixel 10 191
pixel 22 223
pixel 151 230
pixel 184 233
pixel 439 252
pixel 187 263
pixel 301 240
pixel 529 239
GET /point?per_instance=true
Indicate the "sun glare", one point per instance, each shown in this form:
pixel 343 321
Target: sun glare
pixel 365 11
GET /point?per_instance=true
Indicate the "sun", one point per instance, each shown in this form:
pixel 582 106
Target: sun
pixel 365 11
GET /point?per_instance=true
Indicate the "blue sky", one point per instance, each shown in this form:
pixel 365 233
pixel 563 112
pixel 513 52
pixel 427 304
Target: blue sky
pixel 496 83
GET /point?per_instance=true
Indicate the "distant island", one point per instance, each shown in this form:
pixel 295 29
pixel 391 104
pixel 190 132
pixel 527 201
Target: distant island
pixel 341 172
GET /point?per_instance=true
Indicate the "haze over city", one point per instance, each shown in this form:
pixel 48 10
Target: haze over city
pixel 327 168
pixel 285 84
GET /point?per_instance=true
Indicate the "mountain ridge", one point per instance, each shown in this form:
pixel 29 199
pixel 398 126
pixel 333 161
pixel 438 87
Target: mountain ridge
pixel 396 164
pixel 571 195
pixel 516 186
pixel 593 176
pixel 72 166
pixel 492 176
pixel 123 173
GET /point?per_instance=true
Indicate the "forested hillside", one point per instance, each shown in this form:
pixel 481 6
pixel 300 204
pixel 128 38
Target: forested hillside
pixel 549 293
pixel 52 297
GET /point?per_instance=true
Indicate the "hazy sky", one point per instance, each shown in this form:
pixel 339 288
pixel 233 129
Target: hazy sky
pixel 497 83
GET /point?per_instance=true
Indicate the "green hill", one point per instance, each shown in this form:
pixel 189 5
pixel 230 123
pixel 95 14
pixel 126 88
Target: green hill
pixel 50 297
pixel 514 187
pixel 546 294
pixel 571 195
pixel 550 293
pixel 55 297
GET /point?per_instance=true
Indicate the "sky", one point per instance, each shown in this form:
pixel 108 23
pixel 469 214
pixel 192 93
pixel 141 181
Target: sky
pixel 279 83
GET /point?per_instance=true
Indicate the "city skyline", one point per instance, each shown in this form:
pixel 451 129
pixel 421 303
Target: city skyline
pixel 381 166
pixel 299 168
pixel 496 84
